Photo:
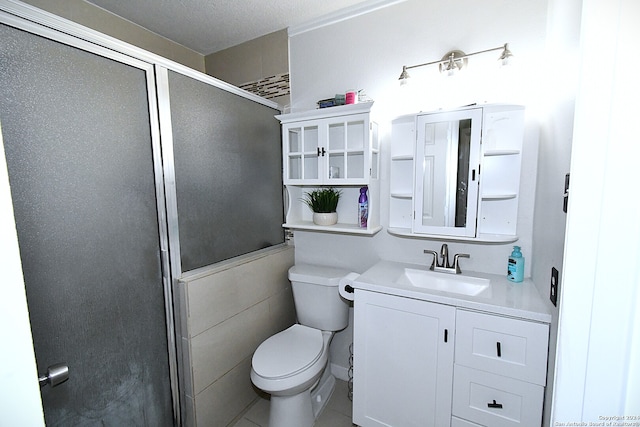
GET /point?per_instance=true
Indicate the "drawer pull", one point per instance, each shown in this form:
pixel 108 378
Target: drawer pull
pixel 446 335
pixel 495 405
pixel 499 349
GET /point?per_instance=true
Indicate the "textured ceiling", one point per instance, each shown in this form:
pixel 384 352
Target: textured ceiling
pixel 207 26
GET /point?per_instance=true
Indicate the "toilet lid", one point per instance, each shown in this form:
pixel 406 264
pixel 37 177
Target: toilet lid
pixel 288 352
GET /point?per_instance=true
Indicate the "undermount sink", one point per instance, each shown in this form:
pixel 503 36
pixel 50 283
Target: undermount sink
pixel 457 284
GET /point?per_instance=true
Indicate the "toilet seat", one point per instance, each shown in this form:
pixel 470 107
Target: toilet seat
pixel 288 353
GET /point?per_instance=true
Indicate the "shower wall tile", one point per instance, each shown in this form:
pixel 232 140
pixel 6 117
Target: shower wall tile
pixel 219 349
pixel 250 61
pixel 279 303
pixel 227 310
pixel 214 298
pixel 227 398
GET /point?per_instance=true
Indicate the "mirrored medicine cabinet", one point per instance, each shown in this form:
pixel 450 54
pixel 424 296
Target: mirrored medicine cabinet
pixel 456 174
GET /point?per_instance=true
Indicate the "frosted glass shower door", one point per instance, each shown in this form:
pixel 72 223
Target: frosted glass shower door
pixel 80 153
pixel 228 171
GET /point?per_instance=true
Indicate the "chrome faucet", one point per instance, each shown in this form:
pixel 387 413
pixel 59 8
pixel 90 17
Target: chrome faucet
pixel 444 253
pixel 444 266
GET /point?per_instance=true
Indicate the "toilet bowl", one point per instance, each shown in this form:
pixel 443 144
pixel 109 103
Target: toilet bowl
pixel 293 365
pixel 288 366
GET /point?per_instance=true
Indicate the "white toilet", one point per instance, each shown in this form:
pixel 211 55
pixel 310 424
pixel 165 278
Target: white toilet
pixel 293 365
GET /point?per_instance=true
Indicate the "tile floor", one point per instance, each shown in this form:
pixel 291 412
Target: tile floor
pixel 337 413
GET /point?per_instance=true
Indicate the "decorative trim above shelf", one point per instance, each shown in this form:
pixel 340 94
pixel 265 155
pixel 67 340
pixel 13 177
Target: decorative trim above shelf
pixel 480 238
pixel 321 113
pixel 337 228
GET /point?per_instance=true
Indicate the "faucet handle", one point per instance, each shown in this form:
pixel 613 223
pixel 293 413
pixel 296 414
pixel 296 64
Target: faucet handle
pixel 455 261
pixel 435 258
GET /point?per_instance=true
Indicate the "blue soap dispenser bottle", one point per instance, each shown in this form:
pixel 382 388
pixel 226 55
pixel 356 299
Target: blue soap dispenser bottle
pixel 515 269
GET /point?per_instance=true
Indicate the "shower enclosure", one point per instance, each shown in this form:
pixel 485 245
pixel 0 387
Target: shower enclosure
pixel 101 197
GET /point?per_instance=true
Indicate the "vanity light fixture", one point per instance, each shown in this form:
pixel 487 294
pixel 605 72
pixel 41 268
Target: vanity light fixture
pixel 456 60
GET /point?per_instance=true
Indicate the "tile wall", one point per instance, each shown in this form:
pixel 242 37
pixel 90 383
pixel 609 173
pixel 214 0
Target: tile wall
pixel 226 311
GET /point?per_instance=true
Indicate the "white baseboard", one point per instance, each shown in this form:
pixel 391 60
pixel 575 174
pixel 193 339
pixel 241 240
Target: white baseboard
pixel 340 372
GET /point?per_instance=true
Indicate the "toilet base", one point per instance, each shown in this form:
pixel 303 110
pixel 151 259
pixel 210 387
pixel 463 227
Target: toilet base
pixel 291 411
pixel 321 394
pixel 302 409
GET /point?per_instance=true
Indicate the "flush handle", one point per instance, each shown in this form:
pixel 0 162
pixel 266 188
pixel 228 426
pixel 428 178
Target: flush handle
pixel 56 375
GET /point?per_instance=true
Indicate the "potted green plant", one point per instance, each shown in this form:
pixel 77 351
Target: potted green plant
pixel 323 202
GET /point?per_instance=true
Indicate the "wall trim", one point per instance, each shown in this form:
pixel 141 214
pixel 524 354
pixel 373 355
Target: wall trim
pixel 341 15
pixel 340 372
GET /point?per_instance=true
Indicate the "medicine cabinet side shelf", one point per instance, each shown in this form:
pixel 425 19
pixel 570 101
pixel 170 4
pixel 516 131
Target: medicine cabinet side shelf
pixel 500 160
pixel 331 147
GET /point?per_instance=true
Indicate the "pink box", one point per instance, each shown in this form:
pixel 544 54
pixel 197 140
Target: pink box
pixel 351 97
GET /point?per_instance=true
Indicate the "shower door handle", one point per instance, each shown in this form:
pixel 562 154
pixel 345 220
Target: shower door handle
pixel 56 374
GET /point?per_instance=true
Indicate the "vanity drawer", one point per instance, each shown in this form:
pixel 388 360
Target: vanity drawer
pixel 459 422
pixel 505 346
pixel 493 400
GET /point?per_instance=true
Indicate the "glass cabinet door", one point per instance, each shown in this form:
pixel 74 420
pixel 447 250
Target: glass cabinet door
pixel 303 153
pixel 332 151
pixel 348 150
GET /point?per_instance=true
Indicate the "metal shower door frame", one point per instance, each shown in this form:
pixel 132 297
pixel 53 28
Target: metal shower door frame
pixel 51 27
pixel 36 21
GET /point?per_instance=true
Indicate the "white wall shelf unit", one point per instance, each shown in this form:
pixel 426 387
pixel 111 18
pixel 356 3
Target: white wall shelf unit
pixel 332 147
pixel 501 138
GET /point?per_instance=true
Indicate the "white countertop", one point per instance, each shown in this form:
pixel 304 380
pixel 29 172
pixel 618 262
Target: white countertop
pixel 519 300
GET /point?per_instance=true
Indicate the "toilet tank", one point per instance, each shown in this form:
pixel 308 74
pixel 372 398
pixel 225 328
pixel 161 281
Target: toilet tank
pixel 315 294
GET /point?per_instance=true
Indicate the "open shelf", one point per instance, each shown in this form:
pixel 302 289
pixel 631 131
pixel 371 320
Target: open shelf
pixel 336 228
pixel 481 237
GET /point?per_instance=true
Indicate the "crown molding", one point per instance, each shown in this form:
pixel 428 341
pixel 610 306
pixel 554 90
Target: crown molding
pixel 341 15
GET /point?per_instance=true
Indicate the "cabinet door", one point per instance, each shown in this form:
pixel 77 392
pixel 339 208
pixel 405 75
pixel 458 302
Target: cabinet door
pixel 403 361
pixel 348 150
pixel 330 151
pixel 447 173
pixel 303 153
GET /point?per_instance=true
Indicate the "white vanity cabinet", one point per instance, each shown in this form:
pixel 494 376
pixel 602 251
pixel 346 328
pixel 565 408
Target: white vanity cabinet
pixel 331 147
pixel 420 363
pixel 500 370
pixel 403 361
pixel 457 173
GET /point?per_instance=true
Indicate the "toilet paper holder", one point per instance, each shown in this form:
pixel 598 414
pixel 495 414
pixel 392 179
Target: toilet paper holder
pixel 345 286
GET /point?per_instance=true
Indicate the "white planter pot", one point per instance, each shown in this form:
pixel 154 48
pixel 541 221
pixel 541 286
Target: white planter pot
pixel 325 218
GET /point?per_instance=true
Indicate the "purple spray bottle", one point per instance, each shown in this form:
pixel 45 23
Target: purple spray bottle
pixel 363 207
